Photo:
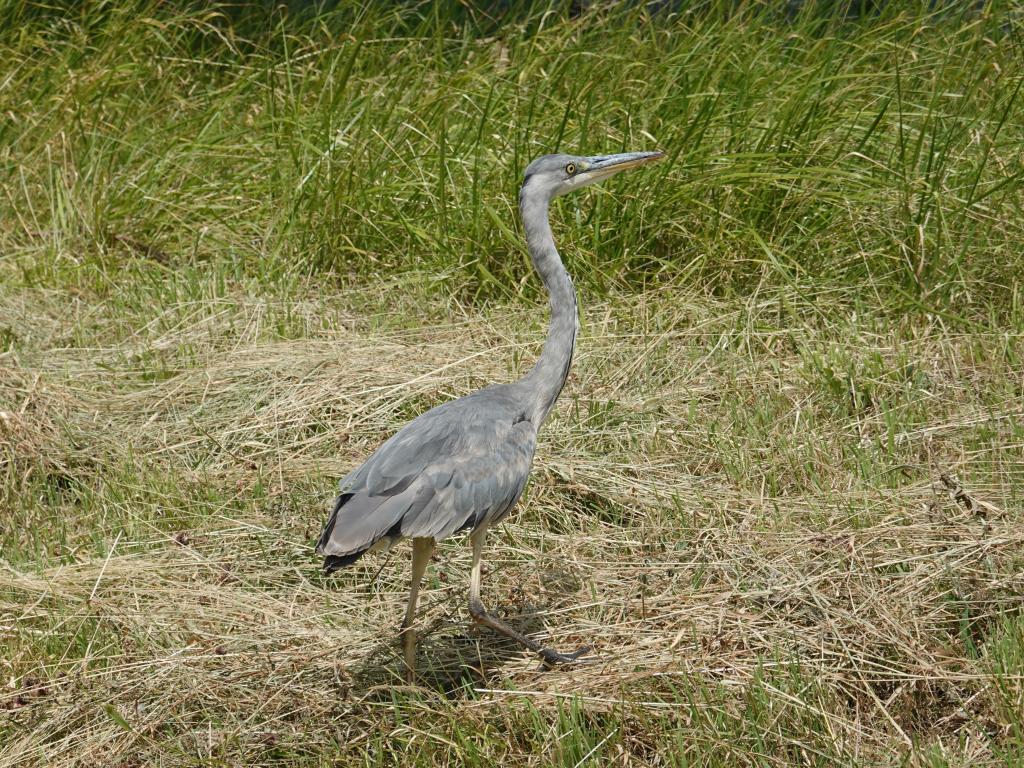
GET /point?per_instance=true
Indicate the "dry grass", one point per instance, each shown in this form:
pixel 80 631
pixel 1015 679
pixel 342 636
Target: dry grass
pixel 175 614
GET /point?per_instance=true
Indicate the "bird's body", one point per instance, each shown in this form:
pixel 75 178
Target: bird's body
pixel 461 465
pixel 464 464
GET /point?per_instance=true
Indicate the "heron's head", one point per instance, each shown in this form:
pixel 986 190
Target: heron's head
pixel 553 175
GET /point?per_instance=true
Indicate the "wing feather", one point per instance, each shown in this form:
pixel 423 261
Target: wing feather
pixel 460 465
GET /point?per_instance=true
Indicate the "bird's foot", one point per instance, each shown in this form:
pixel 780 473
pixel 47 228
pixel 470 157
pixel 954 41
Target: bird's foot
pixel 554 657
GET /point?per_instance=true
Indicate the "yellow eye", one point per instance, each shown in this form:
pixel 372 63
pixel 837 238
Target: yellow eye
pixel 570 168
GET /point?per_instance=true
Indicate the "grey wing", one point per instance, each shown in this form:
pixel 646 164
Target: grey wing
pixel 459 466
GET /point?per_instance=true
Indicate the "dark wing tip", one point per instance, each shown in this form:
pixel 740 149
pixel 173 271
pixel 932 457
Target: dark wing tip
pixel 333 563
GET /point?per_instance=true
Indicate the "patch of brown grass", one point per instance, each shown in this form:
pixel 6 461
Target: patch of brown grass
pixel 856 605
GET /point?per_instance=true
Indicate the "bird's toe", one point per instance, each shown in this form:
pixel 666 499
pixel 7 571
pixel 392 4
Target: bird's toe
pixel 554 657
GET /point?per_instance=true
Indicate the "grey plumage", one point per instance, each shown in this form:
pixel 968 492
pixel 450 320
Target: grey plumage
pixel 464 464
pixel 461 465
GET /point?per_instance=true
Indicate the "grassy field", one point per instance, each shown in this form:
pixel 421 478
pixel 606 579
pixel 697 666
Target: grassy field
pixel 781 494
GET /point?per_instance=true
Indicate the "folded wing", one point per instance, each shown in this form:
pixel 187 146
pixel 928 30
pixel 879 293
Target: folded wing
pixel 457 466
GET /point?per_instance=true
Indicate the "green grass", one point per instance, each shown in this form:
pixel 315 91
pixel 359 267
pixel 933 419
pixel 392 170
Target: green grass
pixel 781 494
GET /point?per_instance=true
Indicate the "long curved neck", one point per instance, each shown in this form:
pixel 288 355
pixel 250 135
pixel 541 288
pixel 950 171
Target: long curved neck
pixel 545 380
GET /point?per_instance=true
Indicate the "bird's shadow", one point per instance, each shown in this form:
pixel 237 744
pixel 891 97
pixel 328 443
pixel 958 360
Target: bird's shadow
pixel 454 655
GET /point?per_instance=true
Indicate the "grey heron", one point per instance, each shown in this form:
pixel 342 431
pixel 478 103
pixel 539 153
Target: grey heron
pixel 464 464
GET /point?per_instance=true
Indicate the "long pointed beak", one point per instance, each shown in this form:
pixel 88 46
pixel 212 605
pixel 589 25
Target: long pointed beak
pixel 603 166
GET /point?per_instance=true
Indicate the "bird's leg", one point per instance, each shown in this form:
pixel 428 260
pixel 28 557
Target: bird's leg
pixel 422 549
pixel 480 614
